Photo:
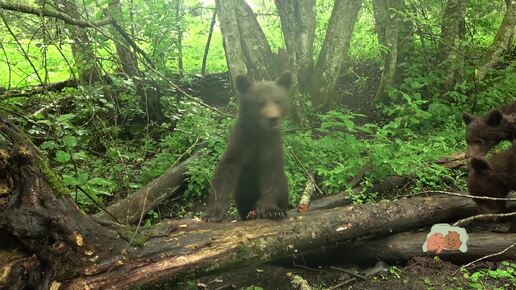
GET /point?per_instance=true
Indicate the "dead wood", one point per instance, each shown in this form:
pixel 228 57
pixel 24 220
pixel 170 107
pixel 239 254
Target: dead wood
pixel 214 247
pixel 388 184
pixel 39 89
pixel 130 209
pixel 404 246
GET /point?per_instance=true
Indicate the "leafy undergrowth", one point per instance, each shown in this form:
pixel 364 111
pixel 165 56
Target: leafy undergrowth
pixel 420 273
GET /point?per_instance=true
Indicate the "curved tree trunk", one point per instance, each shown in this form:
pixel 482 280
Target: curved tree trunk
pixel 245 44
pixel 503 40
pixel 231 37
pixel 333 53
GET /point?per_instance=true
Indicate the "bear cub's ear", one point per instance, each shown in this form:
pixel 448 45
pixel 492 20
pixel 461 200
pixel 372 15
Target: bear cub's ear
pixel 285 80
pixel 480 165
pixel 468 118
pixel 495 118
pixel 243 84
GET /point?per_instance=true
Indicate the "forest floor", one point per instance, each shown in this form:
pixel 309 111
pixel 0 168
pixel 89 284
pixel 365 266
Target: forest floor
pixel 418 273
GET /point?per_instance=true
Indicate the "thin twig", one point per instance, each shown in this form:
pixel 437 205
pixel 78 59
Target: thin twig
pixel 349 272
pixel 309 176
pixel 97 203
pixel 482 216
pixel 342 283
pixel 467 195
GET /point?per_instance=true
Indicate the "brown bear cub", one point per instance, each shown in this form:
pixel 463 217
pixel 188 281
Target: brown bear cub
pixel 493 177
pixel 483 133
pixel 252 167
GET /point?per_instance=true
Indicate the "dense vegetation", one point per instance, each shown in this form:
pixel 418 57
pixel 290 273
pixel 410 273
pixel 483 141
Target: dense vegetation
pixel 99 138
pixel 115 92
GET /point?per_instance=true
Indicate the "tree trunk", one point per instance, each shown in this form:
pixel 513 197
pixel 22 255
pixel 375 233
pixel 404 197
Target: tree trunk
pixel 150 101
pixel 298 26
pixel 503 40
pixel 333 53
pixel 179 11
pixel 235 57
pixel 208 42
pixel 388 22
pixel 82 50
pixel 245 43
pixel 127 58
pixel 452 42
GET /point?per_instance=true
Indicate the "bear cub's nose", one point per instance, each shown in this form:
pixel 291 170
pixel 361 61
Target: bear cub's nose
pixel 274 121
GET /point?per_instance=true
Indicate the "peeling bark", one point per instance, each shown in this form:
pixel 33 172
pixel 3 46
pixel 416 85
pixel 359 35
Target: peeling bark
pixel 404 246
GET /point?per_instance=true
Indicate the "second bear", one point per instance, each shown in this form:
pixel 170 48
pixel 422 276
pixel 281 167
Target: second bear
pixel 493 177
pixel 483 133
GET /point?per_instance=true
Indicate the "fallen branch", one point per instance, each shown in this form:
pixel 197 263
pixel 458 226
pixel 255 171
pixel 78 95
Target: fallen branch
pixel 39 89
pixel 131 208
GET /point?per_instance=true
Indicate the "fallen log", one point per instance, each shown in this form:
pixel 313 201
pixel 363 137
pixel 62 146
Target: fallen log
pixel 215 247
pixel 131 208
pixel 387 184
pixel 402 247
pixel 39 89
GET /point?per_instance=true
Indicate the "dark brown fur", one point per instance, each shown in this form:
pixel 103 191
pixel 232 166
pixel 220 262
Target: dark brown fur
pixel 252 167
pixel 493 177
pixel 483 133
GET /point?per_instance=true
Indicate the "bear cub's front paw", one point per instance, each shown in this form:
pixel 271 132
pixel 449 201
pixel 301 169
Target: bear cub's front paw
pixel 213 215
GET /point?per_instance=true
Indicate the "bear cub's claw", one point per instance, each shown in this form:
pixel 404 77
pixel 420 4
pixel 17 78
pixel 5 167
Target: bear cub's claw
pixel 213 215
pixel 273 213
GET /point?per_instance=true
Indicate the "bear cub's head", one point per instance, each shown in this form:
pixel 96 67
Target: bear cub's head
pixel 483 133
pixel 264 103
pixel 494 177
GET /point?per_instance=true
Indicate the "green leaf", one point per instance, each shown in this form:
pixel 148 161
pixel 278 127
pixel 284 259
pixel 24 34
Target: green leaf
pixel 48 145
pixel 62 157
pixel 70 141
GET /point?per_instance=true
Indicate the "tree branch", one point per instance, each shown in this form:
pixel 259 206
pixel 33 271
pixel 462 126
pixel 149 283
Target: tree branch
pixel 54 14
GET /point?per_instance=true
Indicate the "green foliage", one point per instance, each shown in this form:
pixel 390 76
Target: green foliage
pixel 506 273
pixel 99 140
pixel 252 287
